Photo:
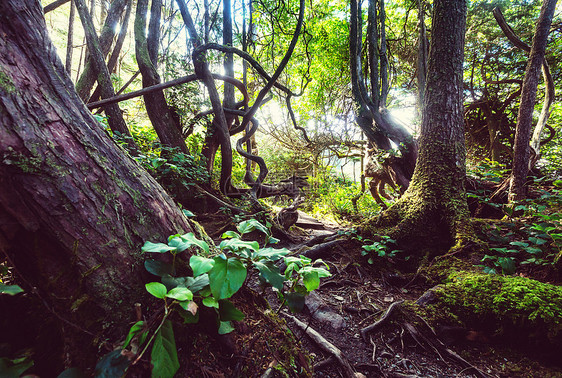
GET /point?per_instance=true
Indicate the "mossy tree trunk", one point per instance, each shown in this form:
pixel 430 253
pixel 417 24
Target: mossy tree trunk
pixel 432 208
pixel 74 209
pixel 165 122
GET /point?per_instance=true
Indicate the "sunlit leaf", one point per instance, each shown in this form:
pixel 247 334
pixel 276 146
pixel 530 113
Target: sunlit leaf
pixel 157 289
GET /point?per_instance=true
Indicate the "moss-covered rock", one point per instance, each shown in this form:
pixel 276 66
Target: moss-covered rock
pixel 504 304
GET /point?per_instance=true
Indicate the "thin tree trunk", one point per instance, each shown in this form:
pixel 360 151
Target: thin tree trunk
pixel 54 5
pixel 70 39
pixel 74 210
pixel 422 53
pixel 115 117
pixel 521 149
pixel 90 74
pixel 164 123
pixel 112 62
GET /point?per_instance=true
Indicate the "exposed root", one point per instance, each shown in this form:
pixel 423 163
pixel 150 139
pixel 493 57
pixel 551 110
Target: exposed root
pixel 364 331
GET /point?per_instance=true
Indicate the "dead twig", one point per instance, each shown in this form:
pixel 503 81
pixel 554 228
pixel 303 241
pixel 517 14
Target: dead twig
pixel 381 321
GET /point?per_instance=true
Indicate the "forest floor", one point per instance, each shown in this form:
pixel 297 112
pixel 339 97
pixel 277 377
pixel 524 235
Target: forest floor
pixel 359 294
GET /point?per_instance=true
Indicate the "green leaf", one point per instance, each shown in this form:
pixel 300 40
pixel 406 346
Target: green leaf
pixel 190 307
pixel 251 225
pixel 507 264
pixel 537 241
pixel 519 244
pixel 193 284
pixel 179 244
pixel 210 302
pixel 231 234
pixel 159 268
pixel 180 293
pixel 157 289
pixel 295 301
pixel 226 277
pixel 135 329
pixel 227 311
pixel 156 247
pixel 271 274
pixel 311 281
pixel 164 356
pixel 200 265
pixel 225 327
pixel 10 289
pixel 112 365
pixel 188 317
pixel 192 240
pixel 273 253
pixel 188 213
pixel 236 245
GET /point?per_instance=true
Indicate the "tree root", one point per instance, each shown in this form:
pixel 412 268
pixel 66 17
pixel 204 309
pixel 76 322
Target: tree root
pixel 364 331
pixel 326 346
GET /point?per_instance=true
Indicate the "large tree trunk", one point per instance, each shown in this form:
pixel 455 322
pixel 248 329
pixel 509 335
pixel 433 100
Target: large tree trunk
pixel 74 209
pixel 430 210
pixel 521 148
pixel 165 124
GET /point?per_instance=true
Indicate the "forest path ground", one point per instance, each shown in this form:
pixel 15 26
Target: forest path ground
pixel 358 294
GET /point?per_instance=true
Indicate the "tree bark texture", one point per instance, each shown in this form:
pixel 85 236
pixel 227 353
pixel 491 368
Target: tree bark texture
pixel 521 148
pixel 165 124
pixel 90 74
pixel 435 202
pixel 74 209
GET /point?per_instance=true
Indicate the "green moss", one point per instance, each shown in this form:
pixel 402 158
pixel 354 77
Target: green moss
pixel 6 83
pixel 504 302
pixel 24 163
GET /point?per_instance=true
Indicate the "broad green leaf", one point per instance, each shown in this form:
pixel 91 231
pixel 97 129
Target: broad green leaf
pixel 10 289
pixel 272 240
pixel 537 241
pixel 135 329
pixel 112 365
pixel 226 277
pixel 190 307
pixel 192 240
pixel 273 253
pixel 159 268
pixel 156 247
pixel 507 264
pixel 295 301
pixel 236 245
pixel 225 327
pixel 251 225
pixel 231 234
pixel 200 265
pixel 164 356
pixel 179 244
pixel 311 281
pixel 227 311
pixel 210 302
pixel 157 289
pixel 188 213
pixel 9 369
pixel 519 244
pixel 180 293
pixel 270 273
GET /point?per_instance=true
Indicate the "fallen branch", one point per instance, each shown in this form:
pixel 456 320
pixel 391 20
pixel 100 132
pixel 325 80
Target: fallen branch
pixel 364 331
pixel 326 346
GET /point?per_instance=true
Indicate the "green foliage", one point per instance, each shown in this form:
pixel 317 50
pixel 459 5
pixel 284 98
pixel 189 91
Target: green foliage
pixel 214 281
pixel 14 368
pixel 10 289
pixel 386 247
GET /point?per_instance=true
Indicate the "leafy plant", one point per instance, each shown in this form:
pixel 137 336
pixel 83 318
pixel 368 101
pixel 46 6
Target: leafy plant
pixel 214 281
pixel 386 247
